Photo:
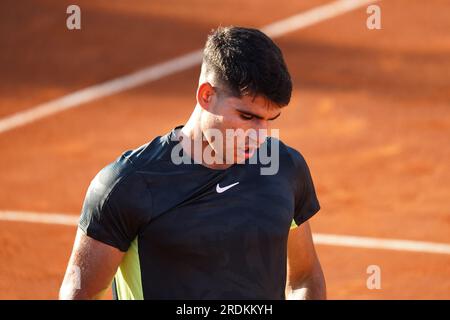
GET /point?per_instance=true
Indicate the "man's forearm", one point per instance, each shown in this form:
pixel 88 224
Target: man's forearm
pixel 311 288
pixel 311 291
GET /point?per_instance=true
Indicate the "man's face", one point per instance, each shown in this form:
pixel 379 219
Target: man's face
pixel 244 124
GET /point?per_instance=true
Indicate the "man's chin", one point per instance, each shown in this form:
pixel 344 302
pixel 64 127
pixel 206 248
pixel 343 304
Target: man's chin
pixel 242 156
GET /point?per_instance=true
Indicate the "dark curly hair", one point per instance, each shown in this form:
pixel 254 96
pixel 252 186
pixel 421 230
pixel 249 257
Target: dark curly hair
pixel 247 62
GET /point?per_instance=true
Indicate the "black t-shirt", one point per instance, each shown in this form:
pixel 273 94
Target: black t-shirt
pixel 187 238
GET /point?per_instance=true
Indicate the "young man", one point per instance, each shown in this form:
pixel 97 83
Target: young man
pixel 192 214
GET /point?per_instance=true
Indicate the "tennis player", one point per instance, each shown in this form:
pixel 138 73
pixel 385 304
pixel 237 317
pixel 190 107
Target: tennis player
pixel 193 214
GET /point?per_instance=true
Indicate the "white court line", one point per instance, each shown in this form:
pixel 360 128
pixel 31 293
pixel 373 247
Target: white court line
pixel 319 238
pixel 101 90
pixel 158 71
pixel 35 217
pixel 313 16
pixel 379 243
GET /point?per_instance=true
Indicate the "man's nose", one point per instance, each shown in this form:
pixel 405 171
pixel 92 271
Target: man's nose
pixel 262 135
pixel 257 136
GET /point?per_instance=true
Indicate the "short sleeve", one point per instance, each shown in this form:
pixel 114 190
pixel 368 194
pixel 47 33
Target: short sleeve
pixel 306 202
pixel 110 214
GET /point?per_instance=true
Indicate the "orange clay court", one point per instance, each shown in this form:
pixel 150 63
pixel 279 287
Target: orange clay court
pixel 370 112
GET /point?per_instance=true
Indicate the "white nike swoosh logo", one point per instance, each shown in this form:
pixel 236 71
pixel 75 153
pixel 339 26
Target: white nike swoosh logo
pixel 220 190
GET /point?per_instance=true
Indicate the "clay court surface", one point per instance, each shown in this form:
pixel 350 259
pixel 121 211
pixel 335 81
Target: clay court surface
pixel 370 112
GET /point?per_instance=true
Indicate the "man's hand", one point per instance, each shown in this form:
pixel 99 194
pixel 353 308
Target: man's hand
pixel 305 278
pixel 91 269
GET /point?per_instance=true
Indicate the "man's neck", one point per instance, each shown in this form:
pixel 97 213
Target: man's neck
pixel 193 143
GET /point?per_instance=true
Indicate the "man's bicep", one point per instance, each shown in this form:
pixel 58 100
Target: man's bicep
pixel 118 203
pixel 91 268
pixel 104 215
pixel 306 202
pixel 301 253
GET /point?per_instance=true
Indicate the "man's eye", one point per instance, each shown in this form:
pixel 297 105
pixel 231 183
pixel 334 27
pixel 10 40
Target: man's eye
pixel 246 117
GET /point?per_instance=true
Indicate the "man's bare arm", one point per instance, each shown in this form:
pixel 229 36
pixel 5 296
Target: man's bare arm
pixel 91 268
pixel 305 278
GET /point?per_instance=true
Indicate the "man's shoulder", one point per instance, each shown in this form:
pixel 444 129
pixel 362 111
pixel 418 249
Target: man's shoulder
pixel 121 176
pixel 294 156
pixel 156 150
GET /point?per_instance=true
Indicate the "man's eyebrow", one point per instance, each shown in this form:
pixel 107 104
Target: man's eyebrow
pixel 257 116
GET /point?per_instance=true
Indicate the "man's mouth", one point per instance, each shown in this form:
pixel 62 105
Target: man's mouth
pixel 248 152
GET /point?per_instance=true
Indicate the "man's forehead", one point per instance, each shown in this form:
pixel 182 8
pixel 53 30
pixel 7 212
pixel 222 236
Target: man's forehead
pixel 256 104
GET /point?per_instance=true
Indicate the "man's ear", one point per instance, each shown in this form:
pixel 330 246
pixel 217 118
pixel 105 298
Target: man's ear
pixel 205 95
